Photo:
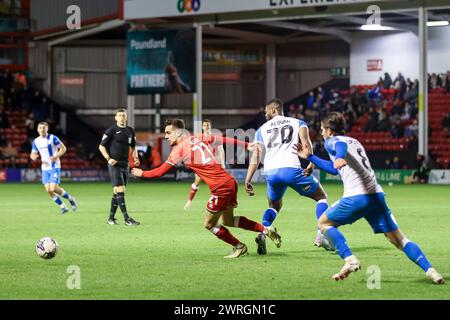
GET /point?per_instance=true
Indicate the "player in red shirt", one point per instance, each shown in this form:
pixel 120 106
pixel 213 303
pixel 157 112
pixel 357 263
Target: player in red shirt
pixel 196 155
pixel 215 143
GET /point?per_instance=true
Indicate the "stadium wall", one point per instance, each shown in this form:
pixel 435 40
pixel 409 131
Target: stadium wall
pixel 304 66
pixel 399 52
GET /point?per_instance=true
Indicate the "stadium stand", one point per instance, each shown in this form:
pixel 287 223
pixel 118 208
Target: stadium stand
pixel 21 109
pixel 383 119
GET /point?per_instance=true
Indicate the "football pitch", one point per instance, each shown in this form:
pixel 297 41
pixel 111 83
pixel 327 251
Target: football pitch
pixel 171 256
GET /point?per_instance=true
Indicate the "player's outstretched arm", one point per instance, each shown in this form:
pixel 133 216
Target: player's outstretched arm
pixel 154 173
pixel 325 165
pixel 228 140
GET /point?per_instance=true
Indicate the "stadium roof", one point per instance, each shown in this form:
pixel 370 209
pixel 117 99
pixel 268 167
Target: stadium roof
pixel 296 29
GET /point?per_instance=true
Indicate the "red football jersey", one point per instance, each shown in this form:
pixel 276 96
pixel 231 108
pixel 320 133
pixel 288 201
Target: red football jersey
pixel 197 156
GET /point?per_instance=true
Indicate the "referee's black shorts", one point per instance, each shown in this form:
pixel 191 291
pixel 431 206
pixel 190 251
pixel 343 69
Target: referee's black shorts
pixel 119 175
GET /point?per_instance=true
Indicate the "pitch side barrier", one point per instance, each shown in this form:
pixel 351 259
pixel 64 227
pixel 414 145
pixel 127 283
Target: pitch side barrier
pixel 181 174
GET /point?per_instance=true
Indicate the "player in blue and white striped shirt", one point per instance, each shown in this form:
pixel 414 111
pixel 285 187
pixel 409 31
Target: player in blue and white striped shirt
pixel 50 148
pixel 363 198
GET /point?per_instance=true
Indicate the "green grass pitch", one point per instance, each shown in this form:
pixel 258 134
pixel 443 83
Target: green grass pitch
pixel 171 256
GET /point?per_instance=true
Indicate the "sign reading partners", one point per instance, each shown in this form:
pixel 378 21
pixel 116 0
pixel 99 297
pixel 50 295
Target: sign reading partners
pixel 161 61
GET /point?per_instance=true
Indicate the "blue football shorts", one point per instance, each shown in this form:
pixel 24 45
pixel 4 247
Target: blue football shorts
pixel 279 179
pixel 371 207
pixel 51 176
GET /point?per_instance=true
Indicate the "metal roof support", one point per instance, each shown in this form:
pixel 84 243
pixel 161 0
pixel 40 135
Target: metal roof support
pixel 302 27
pixel 423 82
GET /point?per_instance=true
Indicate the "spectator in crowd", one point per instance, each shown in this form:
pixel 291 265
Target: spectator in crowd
pixel 439 81
pixel 406 113
pixel 323 94
pixel 336 102
pixel 412 94
pixel 310 100
pixel 397 129
pixel 397 108
pixel 320 101
pixel 312 114
pixel 372 121
pixel 412 130
pixel 387 81
pixel 301 112
pixel 383 121
pixel 433 81
pixel 374 94
pixel 325 110
pixel 292 112
pixel 10 152
pixel 387 163
pixel 360 110
pixel 400 85
pixel 446 124
pixel 420 175
pixel 30 122
pixel 348 121
pixel 357 98
pixel 397 164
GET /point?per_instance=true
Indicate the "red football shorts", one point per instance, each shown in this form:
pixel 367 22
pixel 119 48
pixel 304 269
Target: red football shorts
pixel 223 197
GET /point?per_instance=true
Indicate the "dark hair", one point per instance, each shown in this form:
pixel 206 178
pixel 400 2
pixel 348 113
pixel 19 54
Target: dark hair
pixel 177 123
pixel 120 110
pixel 43 123
pixel 207 121
pixel 335 121
pixel 276 102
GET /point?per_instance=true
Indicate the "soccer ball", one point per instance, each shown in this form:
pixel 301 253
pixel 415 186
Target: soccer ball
pixel 46 248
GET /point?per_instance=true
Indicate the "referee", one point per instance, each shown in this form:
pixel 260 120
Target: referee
pixel 115 146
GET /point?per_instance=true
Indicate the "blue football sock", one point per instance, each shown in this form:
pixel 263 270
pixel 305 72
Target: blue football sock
pixel 416 255
pixel 65 194
pixel 57 200
pixel 268 217
pixel 321 206
pixel 337 239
